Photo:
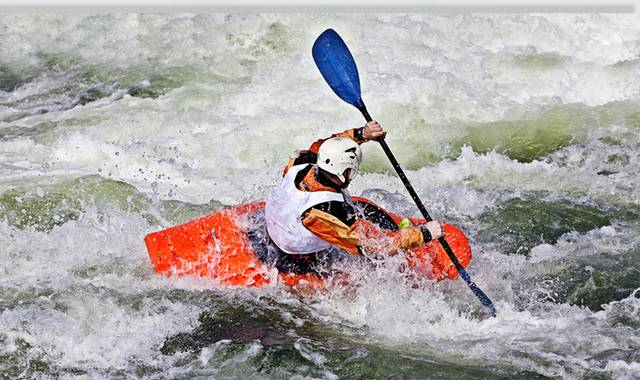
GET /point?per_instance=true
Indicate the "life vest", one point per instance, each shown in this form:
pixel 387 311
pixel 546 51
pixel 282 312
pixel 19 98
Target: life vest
pixel 283 214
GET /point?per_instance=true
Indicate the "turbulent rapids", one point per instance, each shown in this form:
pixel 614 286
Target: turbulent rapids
pixel 523 130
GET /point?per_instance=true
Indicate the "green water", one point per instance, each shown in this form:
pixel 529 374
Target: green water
pixel 522 129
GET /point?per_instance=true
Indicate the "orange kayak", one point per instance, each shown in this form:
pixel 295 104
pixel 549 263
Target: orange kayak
pixel 218 246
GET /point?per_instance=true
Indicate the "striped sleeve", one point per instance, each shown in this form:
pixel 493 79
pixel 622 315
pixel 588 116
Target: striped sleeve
pixel 360 235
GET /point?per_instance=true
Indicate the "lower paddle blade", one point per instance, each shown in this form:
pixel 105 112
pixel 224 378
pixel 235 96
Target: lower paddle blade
pixel 336 64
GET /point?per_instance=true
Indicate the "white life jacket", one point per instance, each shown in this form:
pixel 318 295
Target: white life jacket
pixel 283 214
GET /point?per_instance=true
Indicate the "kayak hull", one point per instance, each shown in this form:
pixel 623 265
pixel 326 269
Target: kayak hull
pixel 217 246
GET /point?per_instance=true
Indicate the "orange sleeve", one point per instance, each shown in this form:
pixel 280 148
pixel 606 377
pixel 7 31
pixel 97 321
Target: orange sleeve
pixel 354 134
pixel 331 229
pixel 362 234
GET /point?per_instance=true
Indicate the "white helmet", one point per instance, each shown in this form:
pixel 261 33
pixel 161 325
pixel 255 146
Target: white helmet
pixel 338 154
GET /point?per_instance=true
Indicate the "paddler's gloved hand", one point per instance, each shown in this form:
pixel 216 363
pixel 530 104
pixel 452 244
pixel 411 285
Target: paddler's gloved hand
pixel 410 236
pixel 372 131
pixel 432 230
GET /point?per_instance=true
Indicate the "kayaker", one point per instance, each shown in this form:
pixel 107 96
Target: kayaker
pixel 308 213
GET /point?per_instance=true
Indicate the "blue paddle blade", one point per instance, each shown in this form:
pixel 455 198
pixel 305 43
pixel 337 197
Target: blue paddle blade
pixel 337 66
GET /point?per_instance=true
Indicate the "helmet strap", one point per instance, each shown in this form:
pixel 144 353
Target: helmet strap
pixel 327 179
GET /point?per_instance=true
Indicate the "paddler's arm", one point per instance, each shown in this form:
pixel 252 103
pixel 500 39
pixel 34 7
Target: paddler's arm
pixel 369 131
pixel 362 234
pixel 331 229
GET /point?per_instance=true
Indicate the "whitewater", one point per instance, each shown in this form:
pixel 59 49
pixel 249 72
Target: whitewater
pixel 522 129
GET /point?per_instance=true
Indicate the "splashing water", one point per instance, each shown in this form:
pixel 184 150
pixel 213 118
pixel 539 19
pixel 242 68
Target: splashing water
pixel 523 130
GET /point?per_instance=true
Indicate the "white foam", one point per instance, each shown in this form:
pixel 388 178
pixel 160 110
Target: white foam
pixel 214 138
pixel 245 95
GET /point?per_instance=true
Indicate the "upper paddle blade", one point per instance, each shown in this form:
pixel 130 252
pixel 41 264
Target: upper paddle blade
pixel 338 67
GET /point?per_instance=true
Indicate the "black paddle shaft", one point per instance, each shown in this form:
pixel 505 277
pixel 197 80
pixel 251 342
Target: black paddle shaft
pixel 412 192
pixel 338 68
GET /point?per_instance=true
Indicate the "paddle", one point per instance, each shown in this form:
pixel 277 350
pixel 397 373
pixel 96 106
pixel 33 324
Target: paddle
pixel 338 68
